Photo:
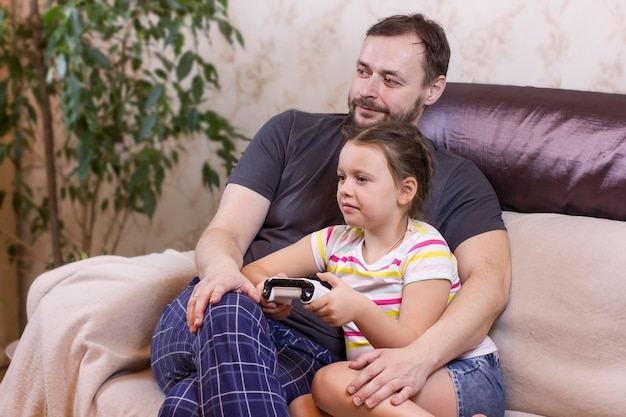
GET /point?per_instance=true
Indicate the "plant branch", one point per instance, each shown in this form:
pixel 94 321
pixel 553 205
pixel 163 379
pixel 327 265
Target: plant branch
pixel 48 134
pixel 24 245
pixel 92 215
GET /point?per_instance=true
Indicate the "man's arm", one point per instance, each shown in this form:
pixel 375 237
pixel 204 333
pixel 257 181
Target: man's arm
pixel 220 250
pixel 485 270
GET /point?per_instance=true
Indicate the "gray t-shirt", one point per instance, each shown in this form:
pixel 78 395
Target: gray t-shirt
pixel 292 161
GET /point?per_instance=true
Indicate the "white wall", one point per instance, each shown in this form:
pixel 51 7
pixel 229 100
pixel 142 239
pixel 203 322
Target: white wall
pixel 301 53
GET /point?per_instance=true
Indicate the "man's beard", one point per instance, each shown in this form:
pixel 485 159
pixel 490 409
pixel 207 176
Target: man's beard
pixel 351 126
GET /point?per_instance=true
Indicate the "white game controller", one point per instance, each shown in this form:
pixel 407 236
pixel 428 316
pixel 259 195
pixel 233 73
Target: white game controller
pixel 283 290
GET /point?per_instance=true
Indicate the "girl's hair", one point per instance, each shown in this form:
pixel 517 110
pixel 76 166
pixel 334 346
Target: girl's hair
pixel 407 153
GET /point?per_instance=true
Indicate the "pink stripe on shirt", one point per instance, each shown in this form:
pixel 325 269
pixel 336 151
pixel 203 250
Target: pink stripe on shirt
pixel 388 302
pixel 426 243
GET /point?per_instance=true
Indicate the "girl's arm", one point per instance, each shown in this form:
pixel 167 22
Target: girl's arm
pixel 295 261
pixel 423 302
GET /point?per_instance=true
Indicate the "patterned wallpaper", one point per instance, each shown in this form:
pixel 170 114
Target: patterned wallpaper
pixel 301 53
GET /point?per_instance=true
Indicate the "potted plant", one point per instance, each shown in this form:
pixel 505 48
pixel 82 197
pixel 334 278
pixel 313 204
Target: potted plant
pixel 130 81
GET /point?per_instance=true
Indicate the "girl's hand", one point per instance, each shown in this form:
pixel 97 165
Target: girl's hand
pixel 339 306
pixel 272 309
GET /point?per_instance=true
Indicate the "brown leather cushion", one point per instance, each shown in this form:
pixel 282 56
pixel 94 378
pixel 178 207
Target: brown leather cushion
pixel 544 150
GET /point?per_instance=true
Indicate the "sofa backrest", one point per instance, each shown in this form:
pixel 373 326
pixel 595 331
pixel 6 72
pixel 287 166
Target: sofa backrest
pixel 543 150
pixel 562 338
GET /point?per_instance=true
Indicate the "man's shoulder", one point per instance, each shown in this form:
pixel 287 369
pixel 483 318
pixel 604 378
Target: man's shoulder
pixel 303 129
pixel 442 155
pixel 448 164
pixel 462 203
pixel 300 117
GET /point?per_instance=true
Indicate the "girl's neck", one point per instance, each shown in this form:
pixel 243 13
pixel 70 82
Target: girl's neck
pixel 377 245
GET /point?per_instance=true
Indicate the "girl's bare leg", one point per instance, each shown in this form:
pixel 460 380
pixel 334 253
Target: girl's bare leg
pixel 437 397
pixel 303 406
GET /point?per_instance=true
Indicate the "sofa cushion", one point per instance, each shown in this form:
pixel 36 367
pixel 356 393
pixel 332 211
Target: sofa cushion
pixel 542 149
pixel 562 338
pixel 131 395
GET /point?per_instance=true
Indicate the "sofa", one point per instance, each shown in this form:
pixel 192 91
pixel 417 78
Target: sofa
pixel 556 159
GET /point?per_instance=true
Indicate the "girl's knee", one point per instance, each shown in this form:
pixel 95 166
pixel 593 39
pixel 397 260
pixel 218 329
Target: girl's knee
pixel 330 385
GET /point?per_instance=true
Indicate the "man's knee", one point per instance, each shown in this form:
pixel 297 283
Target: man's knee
pixel 234 310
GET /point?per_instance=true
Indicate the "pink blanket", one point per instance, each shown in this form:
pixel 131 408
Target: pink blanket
pixel 88 321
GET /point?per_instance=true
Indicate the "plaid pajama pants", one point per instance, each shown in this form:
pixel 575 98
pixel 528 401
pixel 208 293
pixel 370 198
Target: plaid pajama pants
pixel 238 364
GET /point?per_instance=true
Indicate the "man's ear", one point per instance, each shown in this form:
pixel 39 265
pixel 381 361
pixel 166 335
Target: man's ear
pixel 435 90
pixel 407 191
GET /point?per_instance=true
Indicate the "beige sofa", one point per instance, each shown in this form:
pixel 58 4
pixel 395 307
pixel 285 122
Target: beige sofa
pixel 557 160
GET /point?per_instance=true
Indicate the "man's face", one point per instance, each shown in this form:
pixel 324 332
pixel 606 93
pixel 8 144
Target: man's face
pixel 388 82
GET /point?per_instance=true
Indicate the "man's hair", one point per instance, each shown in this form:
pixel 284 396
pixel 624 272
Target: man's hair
pixel 432 35
pixel 407 153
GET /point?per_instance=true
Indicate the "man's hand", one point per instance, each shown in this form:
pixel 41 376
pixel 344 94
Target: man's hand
pixel 210 290
pixel 385 373
pixel 220 249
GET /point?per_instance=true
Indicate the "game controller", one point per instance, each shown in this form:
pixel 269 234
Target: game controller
pixel 283 290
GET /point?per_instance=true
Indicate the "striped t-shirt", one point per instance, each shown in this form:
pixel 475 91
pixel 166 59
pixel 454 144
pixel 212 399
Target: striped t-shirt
pixel 422 255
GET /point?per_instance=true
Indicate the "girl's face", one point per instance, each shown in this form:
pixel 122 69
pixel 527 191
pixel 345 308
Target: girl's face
pixel 366 192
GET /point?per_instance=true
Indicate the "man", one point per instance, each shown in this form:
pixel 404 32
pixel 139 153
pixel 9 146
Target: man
pixel 231 360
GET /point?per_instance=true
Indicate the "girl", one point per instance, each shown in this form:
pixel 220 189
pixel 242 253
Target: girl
pixel 392 274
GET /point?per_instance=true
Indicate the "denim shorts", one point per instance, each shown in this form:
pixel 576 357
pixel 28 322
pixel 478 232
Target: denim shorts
pixel 479 385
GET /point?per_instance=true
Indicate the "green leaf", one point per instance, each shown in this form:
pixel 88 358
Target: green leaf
pixel 240 38
pixel 210 178
pixel 148 126
pixel 184 65
pixel 84 156
pixel 193 120
pixel 167 63
pixel 226 30
pixel 161 74
pixel 61 66
pixel 139 176
pixel 154 96
pixel 4 97
pixel 98 57
pixel 197 88
pixel 50 76
pixel 149 200
pixel 210 74
pixel 72 93
pixel 50 16
pixel 122 4
pixel 76 26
